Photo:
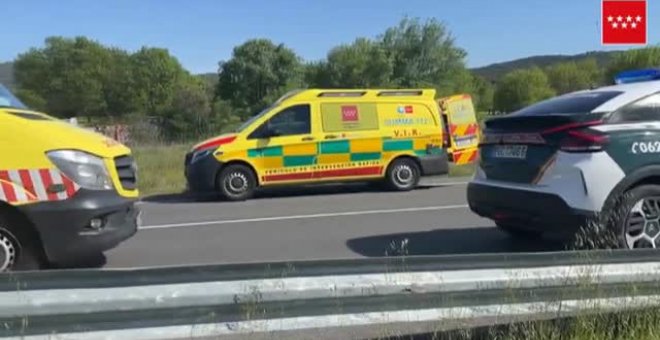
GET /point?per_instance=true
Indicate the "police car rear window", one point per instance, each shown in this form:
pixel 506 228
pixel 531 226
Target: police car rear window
pixel 30 116
pixel 569 104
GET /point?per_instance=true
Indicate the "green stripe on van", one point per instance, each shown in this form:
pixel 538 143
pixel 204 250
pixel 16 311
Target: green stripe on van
pixel 273 151
pixel 397 144
pixel 365 156
pixel 333 147
pixel 299 160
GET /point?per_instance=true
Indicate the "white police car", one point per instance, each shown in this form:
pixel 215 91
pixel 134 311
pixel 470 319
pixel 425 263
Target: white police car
pixel 553 166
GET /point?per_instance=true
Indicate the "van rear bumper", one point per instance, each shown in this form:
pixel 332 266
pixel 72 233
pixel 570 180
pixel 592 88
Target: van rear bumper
pixel 433 165
pixel 64 226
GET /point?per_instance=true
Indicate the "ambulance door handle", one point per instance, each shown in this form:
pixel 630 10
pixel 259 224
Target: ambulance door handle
pixel 331 136
pixel 308 139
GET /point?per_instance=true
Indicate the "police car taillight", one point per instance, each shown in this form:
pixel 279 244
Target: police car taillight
pixel 636 76
pixel 583 141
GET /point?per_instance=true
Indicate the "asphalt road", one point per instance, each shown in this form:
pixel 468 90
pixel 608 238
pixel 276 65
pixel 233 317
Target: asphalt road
pixel 316 223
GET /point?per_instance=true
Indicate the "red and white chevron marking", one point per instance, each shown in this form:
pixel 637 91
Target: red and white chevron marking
pixel 34 185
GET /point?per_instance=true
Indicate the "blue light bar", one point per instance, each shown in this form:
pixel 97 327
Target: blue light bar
pixel 637 76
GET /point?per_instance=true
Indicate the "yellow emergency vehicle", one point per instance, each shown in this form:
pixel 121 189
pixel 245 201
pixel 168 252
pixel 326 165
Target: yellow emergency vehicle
pixel 65 193
pixel 317 135
pixel 462 131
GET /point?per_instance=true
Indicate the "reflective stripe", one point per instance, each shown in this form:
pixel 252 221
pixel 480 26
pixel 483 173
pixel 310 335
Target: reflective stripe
pixel 57 179
pixel 15 177
pixel 39 187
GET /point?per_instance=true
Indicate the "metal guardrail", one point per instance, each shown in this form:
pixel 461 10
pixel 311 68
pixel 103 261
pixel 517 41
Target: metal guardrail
pixel 364 298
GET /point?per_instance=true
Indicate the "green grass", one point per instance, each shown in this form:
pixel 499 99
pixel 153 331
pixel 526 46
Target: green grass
pixel 161 168
pixel 461 170
pixel 639 325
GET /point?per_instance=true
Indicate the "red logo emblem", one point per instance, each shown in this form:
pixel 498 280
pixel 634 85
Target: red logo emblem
pixel 624 22
pixel 349 113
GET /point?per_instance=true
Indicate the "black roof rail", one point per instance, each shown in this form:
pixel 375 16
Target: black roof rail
pixel 395 93
pixel 343 94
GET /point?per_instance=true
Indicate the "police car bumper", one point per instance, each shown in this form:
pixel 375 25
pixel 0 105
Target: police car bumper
pixel 85 225
pixel 536 211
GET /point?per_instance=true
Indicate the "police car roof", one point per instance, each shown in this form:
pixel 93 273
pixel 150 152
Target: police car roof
pixel 631 93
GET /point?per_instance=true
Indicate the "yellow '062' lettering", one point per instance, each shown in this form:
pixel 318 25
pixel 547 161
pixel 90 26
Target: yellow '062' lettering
pixel 645 147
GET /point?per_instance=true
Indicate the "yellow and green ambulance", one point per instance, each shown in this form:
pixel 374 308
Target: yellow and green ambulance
pixel 318 135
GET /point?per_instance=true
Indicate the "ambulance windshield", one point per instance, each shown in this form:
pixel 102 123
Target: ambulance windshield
pixel 7 99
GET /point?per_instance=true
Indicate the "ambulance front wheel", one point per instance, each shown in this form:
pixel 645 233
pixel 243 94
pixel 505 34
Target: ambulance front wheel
pixel 403 174
pixel 18 249
pixel 237 182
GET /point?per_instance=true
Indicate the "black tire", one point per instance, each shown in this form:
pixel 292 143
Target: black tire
pixel 634 221
pixel 403 174
pixel 19 247
pixel 236 182
pixel 518 232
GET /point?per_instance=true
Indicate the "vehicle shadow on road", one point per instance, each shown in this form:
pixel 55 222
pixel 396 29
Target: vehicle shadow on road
pixel 281 192
pixel 87 262
pixel 448 241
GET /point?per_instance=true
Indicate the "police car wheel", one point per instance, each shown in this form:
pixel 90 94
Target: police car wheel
pixel 236 183
pixel 403 174
pixel 639 225
pixel 17 250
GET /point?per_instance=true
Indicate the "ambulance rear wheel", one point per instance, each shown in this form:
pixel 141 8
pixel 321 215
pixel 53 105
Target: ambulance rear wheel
pixel 18 247
pixel 403 174
pixel 236 182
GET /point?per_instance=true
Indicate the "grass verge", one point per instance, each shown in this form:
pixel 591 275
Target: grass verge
pixel 161 168
pixel 638 325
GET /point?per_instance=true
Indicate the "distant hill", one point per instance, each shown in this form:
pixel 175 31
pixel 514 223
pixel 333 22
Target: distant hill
pixel 7 74
pixel 496 71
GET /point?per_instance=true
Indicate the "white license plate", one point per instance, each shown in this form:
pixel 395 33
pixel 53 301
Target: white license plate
pixel 510 151
pixel 465 142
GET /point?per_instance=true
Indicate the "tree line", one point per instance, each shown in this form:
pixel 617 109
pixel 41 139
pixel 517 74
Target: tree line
pixel 80 77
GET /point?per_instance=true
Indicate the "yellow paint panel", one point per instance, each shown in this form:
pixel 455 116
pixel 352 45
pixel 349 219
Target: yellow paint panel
pixel 272 162
pixel 420 143
pixel 366 145
pixel 300 149
pixel 333 159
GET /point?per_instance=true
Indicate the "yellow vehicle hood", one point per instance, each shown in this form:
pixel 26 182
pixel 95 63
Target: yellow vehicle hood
pixel 56 134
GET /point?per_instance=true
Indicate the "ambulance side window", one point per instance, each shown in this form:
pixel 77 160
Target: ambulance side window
pixel 291 121
pixel 644 110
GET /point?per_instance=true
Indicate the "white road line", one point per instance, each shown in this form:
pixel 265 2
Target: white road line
pixel 299 217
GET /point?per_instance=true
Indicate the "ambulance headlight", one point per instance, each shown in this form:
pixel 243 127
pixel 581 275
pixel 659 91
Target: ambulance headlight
pixel 201 154
pixel 88 171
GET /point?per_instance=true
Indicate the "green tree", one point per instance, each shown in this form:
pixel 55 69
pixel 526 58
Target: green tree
pixel 257 74
pixel 364 63
pixel 483 92
pixel 67 74
pixel 189 112
pixel 573 76
pixel 156 77
pixel 521 88
pixel 634 59
pixel 424 54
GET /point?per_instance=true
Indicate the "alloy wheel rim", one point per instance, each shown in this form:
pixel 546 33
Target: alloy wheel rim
pixel 236 183
pixel 642 229
pixel 404 175
pixel 7 251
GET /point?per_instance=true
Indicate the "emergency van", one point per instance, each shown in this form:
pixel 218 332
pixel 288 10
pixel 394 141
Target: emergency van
pixel 65 193
pixel 579 159
pixel 317 135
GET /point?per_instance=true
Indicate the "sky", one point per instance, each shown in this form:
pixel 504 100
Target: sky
pixel 200 33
